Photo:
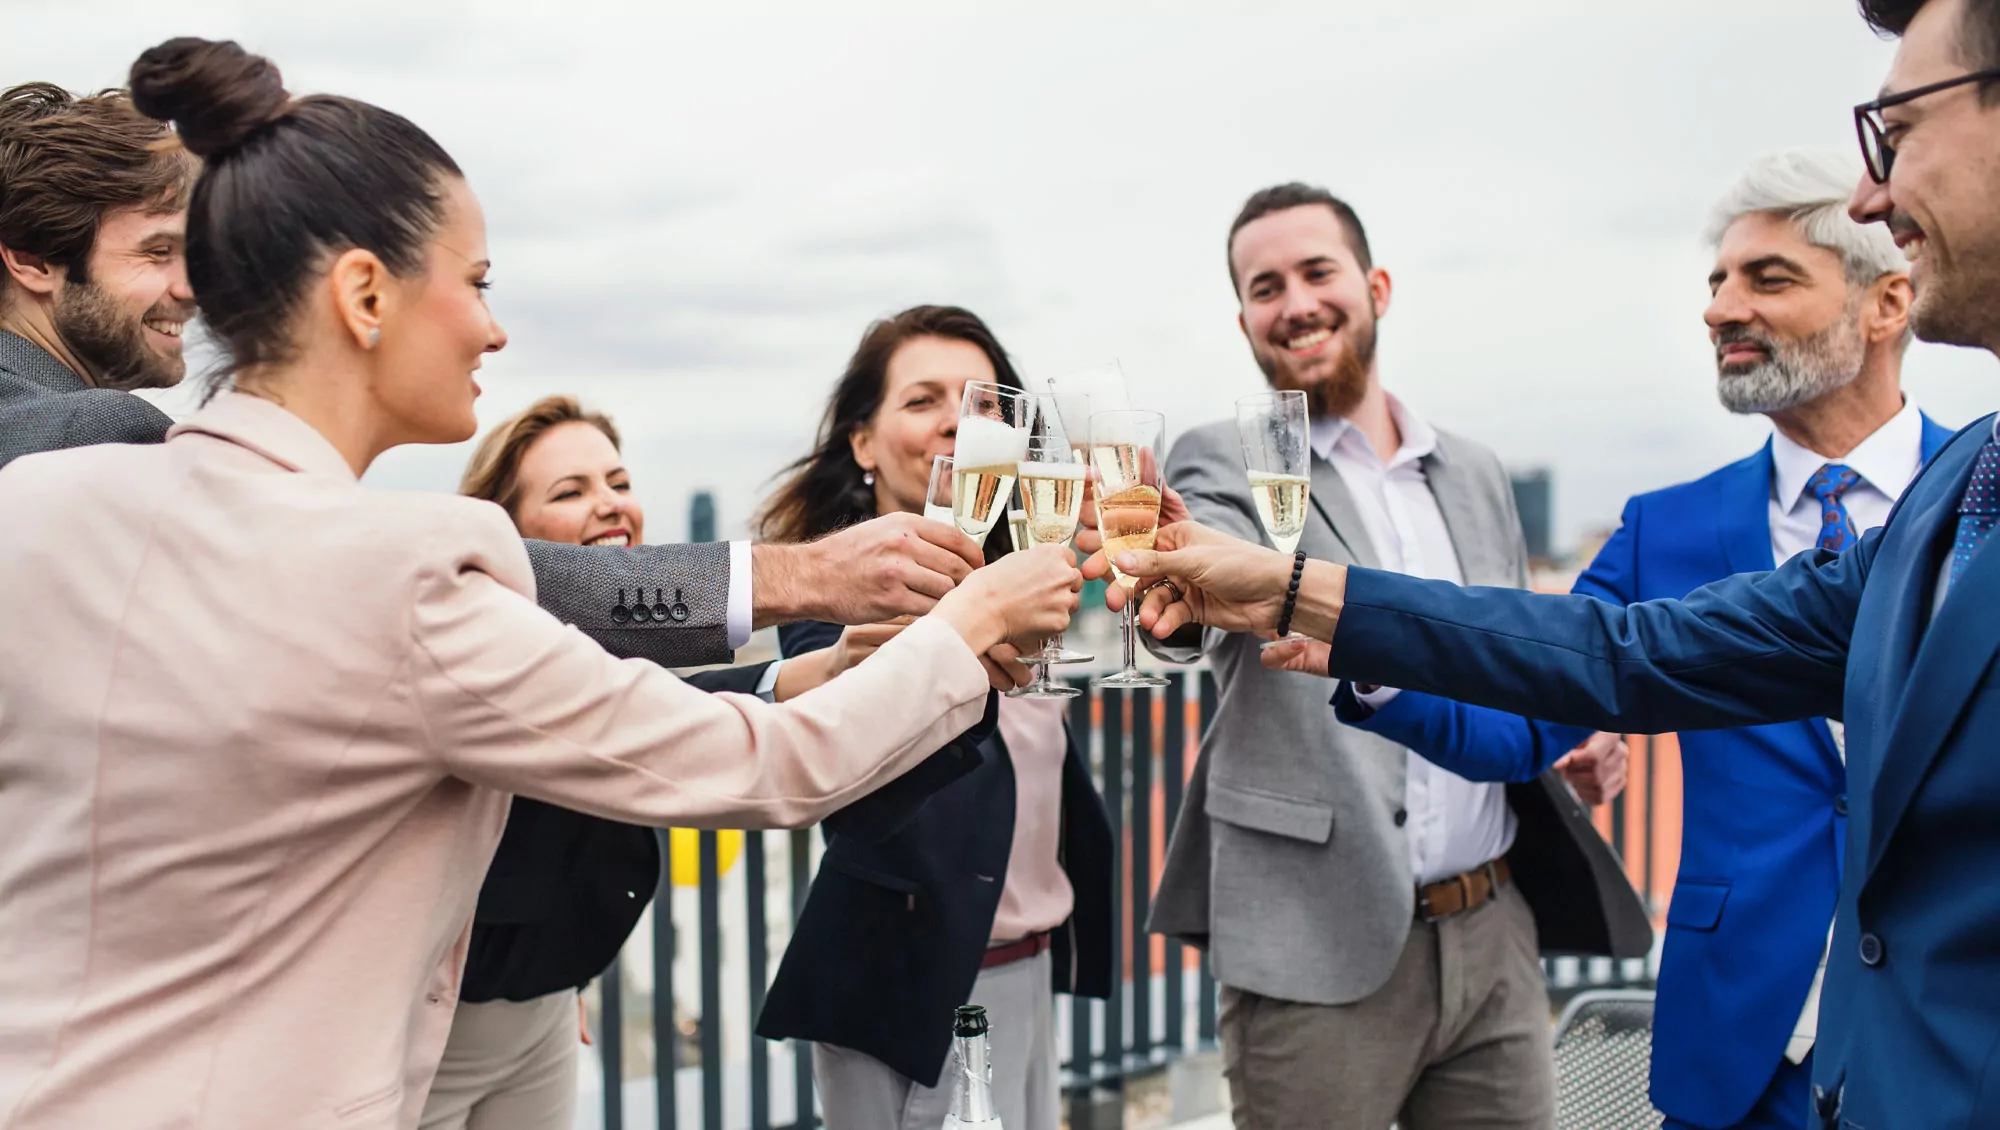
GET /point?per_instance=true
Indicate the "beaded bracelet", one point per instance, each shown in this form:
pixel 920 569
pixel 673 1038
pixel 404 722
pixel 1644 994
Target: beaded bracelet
pixel 1292 594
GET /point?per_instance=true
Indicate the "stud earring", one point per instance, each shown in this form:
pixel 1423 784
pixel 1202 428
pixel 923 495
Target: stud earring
pixel 374 336
pixel 867 478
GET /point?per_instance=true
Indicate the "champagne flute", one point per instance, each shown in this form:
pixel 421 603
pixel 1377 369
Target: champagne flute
pixel 1017 521
pixel 1052 479
pixel 937 499
pixel 1275 435
pixel 994 423
pixel 1076 396
pixel 1125 453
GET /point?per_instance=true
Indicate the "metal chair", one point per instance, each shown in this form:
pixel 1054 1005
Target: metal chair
pixel 1604 1045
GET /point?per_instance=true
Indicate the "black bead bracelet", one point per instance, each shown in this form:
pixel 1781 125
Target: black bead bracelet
pixel 1292 594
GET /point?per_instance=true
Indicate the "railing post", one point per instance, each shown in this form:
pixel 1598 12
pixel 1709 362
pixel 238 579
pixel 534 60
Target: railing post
pixel 803 1115
pixel 1080 1008
pixel 611 1045
pixel 1173 771
pixel 1206 1004
pixel 711 984
pixel 1141 823
pixel 666 1037
pixel 1113 1057
pixel 760 945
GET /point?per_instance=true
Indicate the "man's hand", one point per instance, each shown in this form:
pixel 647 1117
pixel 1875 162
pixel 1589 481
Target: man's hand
pixel 1208 578
pixel 1173 508
pixel 896 565
pixel 1597 768
pixel 1296 653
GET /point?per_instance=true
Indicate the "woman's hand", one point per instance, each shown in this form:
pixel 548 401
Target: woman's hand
pixel 1018 599
pixel 1198 575
pixel 1296 653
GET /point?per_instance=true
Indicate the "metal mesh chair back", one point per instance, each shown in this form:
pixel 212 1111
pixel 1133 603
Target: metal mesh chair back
pixel 1604 1045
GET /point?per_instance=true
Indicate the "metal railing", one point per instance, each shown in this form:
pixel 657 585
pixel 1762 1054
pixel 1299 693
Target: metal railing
pixel 1141 745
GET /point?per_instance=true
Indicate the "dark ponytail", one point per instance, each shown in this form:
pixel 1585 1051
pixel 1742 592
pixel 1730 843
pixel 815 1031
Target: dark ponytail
pixel 288 184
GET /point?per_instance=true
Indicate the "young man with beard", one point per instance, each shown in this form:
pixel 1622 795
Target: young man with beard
pixel 1809 319
pixel 1374 921
pixel 93 299
pixel 1896 635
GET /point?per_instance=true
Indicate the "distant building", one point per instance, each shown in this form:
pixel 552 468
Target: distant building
pixel 1534 497
pixel 701 517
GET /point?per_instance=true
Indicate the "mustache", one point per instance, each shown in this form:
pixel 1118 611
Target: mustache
pixel 170 310
pixel 1741 335
pixel 1293 327
pixel 1900 224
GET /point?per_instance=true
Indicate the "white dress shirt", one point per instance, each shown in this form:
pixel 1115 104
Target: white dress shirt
pixel 739 618
pixel 1454 824
pixel 1886 461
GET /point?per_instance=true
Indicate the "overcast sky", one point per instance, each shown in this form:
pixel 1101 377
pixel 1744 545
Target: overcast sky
pixel 694 210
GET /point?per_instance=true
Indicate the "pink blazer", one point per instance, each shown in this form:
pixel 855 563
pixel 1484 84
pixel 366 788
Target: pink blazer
pixel 258 729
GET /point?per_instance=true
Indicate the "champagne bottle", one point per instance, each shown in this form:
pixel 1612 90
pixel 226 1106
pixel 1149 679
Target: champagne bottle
pixel 972 1107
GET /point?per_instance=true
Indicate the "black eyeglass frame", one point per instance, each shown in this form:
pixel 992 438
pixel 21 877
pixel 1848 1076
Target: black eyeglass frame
pixel 1873 135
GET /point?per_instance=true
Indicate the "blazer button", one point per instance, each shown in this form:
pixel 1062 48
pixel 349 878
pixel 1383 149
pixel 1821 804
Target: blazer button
pixel 1872 950
pixel 1840 805
pixel 1402 818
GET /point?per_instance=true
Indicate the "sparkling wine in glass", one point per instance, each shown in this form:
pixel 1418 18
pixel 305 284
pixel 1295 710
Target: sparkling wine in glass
pixel 1052 484
pixel 937 499
pixel 1125 455
pixel 1017 522
pixel 994 423
pixel 1276 438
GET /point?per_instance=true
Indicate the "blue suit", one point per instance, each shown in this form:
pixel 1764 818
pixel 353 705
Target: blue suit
pixel 1909 1032
pixel 1762 814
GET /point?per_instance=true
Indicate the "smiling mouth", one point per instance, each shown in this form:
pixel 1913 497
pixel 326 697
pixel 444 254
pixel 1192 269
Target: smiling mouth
pixel 164 327
pixel 619 538
pixel 1310 340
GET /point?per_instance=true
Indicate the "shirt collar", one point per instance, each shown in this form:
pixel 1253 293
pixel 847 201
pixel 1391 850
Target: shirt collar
pixel 1888 459
pixel 1419 438
pixel 268 430
pixel 24 358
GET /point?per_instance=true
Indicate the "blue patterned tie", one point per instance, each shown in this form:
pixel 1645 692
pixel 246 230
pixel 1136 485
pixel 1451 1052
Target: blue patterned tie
pixel 1978 508
pixel 1836 528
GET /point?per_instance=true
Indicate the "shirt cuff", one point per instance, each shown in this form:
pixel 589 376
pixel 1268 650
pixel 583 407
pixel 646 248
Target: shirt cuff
pixel 1377 698
pixel 767 687
pixel 739 594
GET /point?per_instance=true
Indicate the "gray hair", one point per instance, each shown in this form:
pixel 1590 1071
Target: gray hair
pixel 1810 188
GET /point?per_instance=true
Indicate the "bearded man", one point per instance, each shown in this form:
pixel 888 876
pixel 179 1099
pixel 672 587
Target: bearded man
pixel 1809 318
pixel 1374 920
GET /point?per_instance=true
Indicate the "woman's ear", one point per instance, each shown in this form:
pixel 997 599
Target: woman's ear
pixel 861 441
pixel 360 284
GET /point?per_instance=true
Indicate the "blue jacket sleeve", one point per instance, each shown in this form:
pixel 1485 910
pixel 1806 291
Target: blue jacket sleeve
pixel 1482 744
pixel 1749 649
pixel 883 813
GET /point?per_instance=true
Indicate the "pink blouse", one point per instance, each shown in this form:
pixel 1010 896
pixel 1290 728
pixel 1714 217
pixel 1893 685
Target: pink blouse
pixel 1037 895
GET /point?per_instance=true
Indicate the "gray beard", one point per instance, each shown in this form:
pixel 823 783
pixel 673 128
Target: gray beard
pixel 1796 373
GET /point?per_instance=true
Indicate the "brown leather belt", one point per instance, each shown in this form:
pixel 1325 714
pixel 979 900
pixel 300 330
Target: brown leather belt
pixel 1465 891
pixel 1006 953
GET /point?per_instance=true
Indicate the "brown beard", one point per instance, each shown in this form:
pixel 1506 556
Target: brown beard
pixel 112 344
pixel 1340 392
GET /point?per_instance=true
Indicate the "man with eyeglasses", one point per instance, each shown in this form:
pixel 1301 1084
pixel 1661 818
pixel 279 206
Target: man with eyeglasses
pixel 1897 635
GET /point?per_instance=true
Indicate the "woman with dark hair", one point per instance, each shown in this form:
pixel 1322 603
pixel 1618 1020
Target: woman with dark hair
pixel 261 750
pixel 998 891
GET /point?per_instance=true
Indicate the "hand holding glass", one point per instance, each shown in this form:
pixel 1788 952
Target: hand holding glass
pixel 1276 437
pixel 1125 455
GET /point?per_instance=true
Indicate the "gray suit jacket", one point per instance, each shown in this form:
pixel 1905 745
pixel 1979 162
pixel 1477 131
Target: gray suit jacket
pixel 1289 861
pixel 684 588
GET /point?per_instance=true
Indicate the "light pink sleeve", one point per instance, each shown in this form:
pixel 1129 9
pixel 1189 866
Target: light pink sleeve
pixel 514 700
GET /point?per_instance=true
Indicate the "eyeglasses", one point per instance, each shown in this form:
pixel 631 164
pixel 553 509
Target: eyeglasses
pixel 1873 132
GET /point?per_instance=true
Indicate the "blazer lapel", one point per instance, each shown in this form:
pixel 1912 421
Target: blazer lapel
pixel 1469 523
pixel 1743 514
pixel 1336 508
pixel 1929 665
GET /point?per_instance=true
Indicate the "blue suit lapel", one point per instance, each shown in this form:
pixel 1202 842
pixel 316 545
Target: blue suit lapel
pixel 1743 512
pixel 1926 669
pixel 1935 436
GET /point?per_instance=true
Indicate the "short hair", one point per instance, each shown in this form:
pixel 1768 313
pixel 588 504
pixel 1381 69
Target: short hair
pixel 1809 189
pixel 1978 34
pixel 286 186
pixel 65 162
pixel 1281 197
pixel 494 473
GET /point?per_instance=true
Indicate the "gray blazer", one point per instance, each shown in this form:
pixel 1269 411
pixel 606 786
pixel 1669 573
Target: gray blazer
pixel 683 588
pixel 1289 862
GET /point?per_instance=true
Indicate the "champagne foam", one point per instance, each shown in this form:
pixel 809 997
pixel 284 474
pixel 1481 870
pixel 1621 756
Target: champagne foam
pixel 984 442
pixel 1052 470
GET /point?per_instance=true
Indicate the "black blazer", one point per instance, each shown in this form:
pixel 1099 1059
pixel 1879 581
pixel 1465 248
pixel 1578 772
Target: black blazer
pixel 565 889
pixel 901 910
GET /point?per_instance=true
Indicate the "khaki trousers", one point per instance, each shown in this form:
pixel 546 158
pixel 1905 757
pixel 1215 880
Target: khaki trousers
pixel 859 1092
pixel 1458 1039
pixel 508 1065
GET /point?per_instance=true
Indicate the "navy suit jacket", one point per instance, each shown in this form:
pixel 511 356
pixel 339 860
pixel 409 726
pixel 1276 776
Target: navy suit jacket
pixel 1763 807
pixel 1909 1032
pixel 900 912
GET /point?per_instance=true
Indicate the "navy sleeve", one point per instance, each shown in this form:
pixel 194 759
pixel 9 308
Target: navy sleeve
pixel 1746 650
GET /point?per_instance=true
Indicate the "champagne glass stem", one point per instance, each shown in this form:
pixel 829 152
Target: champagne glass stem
pixel 1132 634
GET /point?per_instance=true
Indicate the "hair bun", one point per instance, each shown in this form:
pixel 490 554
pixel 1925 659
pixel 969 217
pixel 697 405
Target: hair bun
pixel 215 93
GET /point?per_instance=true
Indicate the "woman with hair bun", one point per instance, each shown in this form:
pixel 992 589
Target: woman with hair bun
pixel 261 749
